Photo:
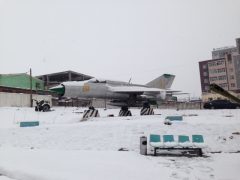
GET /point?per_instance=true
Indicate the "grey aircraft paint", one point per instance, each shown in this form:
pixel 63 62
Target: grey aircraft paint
pixel 121 93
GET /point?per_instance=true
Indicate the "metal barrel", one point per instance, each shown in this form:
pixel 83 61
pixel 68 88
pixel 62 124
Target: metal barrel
pixel 143 145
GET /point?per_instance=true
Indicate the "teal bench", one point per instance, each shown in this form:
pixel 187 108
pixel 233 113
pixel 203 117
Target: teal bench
pixel 29 123
pixel 155 140
pixel 174 118
pixel 183 144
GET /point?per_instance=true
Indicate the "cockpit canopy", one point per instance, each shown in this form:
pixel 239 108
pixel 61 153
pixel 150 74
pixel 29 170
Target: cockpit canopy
pixel 94 80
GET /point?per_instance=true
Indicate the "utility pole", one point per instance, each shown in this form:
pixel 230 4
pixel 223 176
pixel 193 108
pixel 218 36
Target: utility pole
pixel 31 101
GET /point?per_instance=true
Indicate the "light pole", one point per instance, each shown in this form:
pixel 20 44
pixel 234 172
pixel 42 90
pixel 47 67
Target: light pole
pixel 31 102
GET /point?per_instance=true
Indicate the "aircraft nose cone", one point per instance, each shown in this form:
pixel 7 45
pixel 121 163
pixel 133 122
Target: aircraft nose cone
pixel 60 89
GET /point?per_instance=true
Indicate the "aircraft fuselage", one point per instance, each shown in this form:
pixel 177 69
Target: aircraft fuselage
pixel 92 90
pixel 117 91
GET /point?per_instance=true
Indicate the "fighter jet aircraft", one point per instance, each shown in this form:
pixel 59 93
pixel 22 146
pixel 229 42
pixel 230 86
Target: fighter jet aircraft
pixel 117 92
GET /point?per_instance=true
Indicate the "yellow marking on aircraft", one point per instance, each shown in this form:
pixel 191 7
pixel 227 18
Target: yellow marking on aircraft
pixel 86 88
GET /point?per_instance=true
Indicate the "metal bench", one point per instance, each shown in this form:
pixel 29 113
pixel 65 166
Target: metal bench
pixel 183 145
pixel 29 123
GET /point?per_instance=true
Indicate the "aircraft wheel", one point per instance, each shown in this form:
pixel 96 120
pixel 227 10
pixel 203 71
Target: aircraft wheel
pixel 46 108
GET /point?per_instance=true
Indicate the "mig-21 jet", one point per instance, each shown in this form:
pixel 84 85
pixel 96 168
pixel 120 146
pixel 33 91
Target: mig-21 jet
pixel 117 92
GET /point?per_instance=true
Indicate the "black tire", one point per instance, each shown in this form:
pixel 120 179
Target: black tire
pixel 46 108
pixel 237 107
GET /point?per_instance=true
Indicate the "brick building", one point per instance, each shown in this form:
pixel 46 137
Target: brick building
pixel 223 69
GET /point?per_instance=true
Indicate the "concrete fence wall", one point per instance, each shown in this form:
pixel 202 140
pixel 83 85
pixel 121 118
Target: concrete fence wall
pixel 182 105
pixel 20 100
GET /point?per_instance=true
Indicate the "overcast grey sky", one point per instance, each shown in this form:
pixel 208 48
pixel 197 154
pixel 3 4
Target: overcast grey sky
pixel 116 39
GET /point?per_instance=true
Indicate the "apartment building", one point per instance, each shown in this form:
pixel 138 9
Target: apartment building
pixel 223 69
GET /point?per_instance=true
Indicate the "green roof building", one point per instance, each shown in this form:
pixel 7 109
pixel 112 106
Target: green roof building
pixel 20 81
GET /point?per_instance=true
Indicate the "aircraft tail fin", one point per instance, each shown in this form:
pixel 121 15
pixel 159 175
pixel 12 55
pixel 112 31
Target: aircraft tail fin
pixel 162 82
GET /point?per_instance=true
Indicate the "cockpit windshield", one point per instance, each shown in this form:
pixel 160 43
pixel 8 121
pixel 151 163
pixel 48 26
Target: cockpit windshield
pixel 94 80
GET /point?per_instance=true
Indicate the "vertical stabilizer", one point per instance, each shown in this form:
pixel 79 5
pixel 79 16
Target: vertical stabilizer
pixel 163 82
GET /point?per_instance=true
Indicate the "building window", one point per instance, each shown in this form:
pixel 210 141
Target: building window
pixel 206 81
pixel 205 73
pixel 229 61
pixel 38 86
pixel 206 88
pixel 210 64
pixel 222 77
pixel 229 58
pixel 204 66
pixel 213 78
pixel 221 70
pixel 232 77
pixel 232 85
pixel 221 62
pixel 213 71
pixel 215 54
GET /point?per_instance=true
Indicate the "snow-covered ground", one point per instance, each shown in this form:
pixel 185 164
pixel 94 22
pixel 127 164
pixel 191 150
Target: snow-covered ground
pixel 63 148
